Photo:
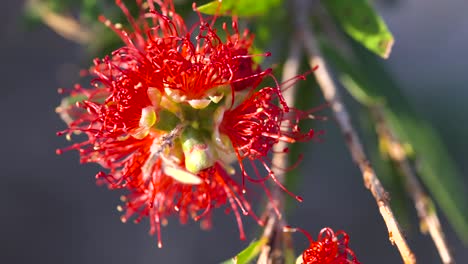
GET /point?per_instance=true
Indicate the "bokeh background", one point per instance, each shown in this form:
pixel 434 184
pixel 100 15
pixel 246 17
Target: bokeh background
pixel 52 212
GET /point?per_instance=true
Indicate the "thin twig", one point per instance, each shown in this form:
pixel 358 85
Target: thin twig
pixel 423 203
pixel 66 26
pixel 267 234
pixel 332 95
pixel 273 252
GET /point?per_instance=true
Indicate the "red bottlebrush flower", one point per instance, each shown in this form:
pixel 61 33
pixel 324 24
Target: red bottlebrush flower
pixel 148 117
pixel 258 123
pixel 139 126
pixel 330 248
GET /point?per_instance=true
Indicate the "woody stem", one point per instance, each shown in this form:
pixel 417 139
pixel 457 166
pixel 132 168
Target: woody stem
pixel 64 25
pixel 279 244
pixel 425 208
pixel 332 95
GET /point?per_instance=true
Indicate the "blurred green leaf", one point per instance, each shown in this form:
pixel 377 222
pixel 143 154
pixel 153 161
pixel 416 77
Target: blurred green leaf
pixel 432 160
pixel 90 10
pixel 248 254
pixel 359 19
pixel 265 29
pixel 435 167
pixel 31 17
pixel 243 8
pixel 57 5
pixel 352 78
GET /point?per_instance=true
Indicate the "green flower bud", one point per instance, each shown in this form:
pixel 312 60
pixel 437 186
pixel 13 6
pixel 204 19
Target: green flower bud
pixel 199 155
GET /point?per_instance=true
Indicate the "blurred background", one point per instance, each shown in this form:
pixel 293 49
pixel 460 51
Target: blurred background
pixel 53 212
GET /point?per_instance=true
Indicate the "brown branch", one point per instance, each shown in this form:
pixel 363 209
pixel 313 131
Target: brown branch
pixel 423 203
pixel 332 95
pixel 64 25
pixel 429 220
pixel 268 233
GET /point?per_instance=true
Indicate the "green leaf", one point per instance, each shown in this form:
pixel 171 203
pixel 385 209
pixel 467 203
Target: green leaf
pixel 243 8
pixel 90 10
pixel 434 165
pixel 352 78
pixel 249 253
pixel 359 20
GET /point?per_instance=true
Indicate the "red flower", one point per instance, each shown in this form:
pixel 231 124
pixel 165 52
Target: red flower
pixel 330 248
pixel 258 123
pixel 166 117
pixel 146 116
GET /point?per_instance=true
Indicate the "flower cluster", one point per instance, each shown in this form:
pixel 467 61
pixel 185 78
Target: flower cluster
pixel 329 248
pixel 168 114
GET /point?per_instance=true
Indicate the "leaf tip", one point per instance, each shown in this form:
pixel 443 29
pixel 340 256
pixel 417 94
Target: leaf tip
pixel 387 46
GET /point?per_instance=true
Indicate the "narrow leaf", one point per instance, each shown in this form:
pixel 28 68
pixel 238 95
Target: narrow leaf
pixel 359 20
pixel 244 8
pixel 352 77
pixel 248 254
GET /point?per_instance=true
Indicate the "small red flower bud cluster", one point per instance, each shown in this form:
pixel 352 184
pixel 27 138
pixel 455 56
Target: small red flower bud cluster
pixel 169 112
pixel 329 248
